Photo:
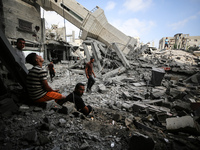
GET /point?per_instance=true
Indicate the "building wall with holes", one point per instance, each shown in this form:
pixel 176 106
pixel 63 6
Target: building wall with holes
pixel 22 19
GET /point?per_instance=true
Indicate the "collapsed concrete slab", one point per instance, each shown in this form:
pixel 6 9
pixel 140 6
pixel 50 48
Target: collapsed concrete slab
pixel 114 72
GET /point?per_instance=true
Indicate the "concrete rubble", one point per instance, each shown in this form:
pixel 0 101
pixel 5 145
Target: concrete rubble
pixel 143 100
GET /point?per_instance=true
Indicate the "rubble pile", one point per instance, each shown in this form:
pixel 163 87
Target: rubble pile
pixel 141 101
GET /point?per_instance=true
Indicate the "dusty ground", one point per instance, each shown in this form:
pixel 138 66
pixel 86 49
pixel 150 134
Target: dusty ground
pixel 112 124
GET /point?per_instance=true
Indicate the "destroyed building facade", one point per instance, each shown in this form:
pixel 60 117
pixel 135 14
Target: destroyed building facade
pixel 22 19
pixel 181 41
pixel 133 110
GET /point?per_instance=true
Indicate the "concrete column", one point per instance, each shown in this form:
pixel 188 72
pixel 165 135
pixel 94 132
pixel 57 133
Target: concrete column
pixel 64 53
pixel 86 52
pixel 49 54
pixel 43 48
pixel 121 55
pixel 97 56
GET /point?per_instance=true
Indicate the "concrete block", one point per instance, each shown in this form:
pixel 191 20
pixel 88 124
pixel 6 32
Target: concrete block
pixel 138 107
pixel 126 95
pixel 102 88
pixel 181 105
pixel 51 104
pixel 183 124
pixel 67 108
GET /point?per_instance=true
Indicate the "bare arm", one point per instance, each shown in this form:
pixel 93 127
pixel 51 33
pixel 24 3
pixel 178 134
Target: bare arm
pixel 85 110
pixel 86 71
pixel 93 73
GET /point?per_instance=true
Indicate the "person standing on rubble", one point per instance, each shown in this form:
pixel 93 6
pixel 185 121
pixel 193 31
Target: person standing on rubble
pixel 75 97
pixel 51 70
pixel 166 42
pixel 89 71
pixel 19 47
pixel 36 81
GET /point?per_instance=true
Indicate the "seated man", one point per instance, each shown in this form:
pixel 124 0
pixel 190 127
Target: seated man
pixel 36 81
pixel 75 97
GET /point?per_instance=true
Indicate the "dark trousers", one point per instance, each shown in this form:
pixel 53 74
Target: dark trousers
pixel 90 83
pixel 52 74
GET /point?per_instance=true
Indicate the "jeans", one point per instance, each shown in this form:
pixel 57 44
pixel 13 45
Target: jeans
pixel 91 81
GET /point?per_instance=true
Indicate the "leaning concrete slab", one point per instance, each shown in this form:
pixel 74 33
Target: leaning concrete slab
pixel 97 54
pixel 121 55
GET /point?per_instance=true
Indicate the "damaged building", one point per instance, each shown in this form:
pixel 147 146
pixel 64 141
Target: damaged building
pixel 143 98
pixel 181 41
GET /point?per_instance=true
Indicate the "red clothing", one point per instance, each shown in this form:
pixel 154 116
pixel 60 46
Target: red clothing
pixel 89 67
pixel 51 66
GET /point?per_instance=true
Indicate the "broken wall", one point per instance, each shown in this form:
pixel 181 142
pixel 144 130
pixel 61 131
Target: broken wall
pixel 22 19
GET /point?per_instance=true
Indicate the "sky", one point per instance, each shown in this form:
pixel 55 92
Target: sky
pixel 150 20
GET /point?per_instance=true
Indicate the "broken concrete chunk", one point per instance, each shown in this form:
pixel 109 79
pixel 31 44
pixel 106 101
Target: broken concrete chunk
pixel 51 104
pixel 138 107
pixel 67 108
pixel 126 95
pixel 184 124
pixel 181 105
pixel 196 53
pixel 126 106
pixel 139 84
pixel 194 78
pixel 158 92
pixel 102 88
pixel 114 72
